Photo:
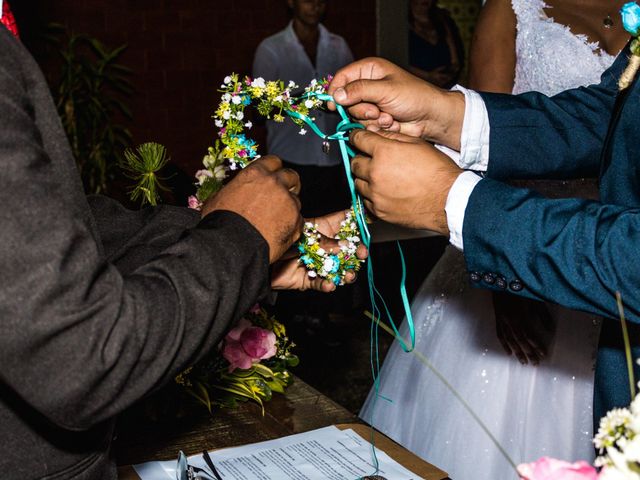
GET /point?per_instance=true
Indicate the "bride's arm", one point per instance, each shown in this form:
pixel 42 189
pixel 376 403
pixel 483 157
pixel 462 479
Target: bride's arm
pixel 492 62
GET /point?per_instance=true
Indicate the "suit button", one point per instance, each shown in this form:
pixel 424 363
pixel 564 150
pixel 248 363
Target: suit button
pixel 475 277
pixel 516 286
pixel 501 283
pixel 489 278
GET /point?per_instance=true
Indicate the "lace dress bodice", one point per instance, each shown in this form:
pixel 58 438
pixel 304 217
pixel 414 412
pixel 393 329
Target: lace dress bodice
pixel 550 57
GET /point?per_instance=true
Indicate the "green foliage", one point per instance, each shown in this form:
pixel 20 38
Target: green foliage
pixel 143 166
pixel 89 98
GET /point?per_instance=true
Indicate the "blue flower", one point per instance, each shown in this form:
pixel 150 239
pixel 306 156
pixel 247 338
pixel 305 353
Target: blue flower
pixel 246 100
pixel 630 13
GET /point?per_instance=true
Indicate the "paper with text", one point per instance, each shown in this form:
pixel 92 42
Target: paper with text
pixel 324 454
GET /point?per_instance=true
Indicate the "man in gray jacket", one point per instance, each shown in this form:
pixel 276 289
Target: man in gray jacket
pixel 100 305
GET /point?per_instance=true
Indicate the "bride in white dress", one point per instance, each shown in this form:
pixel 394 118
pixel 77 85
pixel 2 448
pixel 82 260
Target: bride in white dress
pixel 532 411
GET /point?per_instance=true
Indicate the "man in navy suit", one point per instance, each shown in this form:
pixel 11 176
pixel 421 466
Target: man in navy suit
pixel 574 252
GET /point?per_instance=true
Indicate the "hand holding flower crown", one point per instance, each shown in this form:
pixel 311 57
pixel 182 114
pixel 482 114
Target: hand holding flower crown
pixel 290 273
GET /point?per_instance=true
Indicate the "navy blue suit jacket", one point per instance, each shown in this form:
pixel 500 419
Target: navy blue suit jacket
pixel 573 252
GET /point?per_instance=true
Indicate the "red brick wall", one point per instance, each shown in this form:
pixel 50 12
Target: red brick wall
pixel 180 50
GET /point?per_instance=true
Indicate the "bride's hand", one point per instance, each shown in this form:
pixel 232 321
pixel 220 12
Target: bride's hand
pixel 289 274
pixel 524 327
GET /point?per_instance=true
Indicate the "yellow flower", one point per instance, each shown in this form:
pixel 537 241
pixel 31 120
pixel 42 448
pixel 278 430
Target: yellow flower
pixel 278 118
pixel 272 89
pixel 256 92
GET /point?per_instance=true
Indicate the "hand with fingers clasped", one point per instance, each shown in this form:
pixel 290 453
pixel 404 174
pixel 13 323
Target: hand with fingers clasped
pixel 524 327
pixel 383 96
pixel 402 179
pixel 290 274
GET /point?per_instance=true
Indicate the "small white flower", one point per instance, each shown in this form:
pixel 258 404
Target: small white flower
pixel 258 82
pixel 208 161
pixel 220 172
pixel 240 115
pixel 313 83
pixel 227 80
pixel 312 274
pixel 309 103
pixel 233 166
pixel 321 251
pixel 219 123
pixel 248 125
pixel 278 98
pixel 226 115
pixel 302 131
pixel 202 175
pixel 236 100
pixel 292 85
pixel 328 264
pixel 311 241
pixel 226 97
pixel 308 225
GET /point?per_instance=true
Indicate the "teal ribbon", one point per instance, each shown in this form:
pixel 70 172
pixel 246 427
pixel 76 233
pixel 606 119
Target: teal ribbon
pixel 342 137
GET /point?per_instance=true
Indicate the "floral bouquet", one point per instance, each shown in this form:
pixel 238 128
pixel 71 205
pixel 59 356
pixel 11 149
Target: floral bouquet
pixel 251 363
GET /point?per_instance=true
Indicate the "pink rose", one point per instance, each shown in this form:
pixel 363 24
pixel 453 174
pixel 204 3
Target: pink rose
pixel 551 469
pixel 194 203
pixel 245 345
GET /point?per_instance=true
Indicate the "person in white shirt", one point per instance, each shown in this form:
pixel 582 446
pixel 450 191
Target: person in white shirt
pixel 305 50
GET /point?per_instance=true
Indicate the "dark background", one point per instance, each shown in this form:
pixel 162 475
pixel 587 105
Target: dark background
pixel 179 51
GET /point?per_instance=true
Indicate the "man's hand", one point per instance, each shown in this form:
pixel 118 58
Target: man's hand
pixel 381 95
pixel 289 274
pixel 403 180
pixel 266 195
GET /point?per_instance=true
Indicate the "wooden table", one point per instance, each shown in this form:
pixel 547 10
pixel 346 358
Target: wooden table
pixel 302 409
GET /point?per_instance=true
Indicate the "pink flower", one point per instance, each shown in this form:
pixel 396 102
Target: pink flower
pixel 551 469
pixel 194 203
pixel 255 309
pixel 246 344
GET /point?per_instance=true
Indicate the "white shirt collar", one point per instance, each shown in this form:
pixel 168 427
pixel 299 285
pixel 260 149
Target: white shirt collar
pixel 291 33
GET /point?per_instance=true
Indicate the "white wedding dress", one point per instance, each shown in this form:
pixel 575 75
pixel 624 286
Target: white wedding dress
pixel 532 411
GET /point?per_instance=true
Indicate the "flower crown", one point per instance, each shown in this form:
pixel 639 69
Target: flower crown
pixel 233 150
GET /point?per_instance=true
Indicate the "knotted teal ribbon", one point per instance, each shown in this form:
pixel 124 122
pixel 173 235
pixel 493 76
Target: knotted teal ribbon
pixel 342 137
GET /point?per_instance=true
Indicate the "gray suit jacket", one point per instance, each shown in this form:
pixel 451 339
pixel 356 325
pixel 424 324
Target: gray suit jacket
pixel 98 305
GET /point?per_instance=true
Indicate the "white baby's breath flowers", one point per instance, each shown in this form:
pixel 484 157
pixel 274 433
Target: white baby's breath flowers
pixel 236 100
pixel 302 131
pixel 240 115
pixel 227 80
pixel 259 83
pixel 248 125
pixel 219 123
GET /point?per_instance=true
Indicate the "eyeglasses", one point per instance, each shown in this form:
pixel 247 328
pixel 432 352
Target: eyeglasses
pixel 184 471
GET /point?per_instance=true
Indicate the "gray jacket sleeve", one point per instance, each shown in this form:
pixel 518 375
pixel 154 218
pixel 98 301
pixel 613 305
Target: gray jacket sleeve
pixel 81 340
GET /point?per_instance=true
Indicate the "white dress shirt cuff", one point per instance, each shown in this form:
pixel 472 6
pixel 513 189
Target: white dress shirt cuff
pixel 474 141
pixel 457 204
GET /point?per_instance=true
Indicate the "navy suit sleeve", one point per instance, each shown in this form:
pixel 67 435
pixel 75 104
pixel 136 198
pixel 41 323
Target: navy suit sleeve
pixel 533 135
pixel 573 252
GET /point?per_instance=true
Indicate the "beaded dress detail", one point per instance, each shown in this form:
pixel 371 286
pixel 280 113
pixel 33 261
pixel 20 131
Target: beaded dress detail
pixel 551 58
pixel 532 411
